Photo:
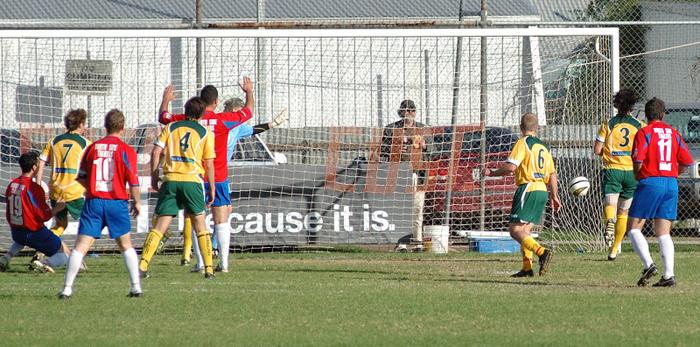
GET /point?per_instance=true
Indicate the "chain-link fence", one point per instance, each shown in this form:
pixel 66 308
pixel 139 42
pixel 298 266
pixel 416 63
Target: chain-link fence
pixel 329 84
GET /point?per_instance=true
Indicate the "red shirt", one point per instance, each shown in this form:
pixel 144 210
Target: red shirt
pixel 660 149
pixel 108 165
pixel 26 205
pixel 220 124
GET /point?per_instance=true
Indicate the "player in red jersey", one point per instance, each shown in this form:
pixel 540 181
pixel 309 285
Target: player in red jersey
pixel 106 168
pixel 26 213
pixel 224 125
pixel 659 155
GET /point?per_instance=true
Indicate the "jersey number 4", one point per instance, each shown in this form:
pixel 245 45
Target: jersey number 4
pixel 185 142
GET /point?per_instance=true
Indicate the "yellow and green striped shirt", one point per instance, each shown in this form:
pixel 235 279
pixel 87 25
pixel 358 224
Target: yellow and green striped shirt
pixel 64 153
pixel 534 163
pixel 185 145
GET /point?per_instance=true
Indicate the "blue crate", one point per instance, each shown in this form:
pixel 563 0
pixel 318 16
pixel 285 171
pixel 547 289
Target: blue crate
pixel 493 245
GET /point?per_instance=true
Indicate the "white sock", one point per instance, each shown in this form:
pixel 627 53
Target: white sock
pixel 57 260
pixel 76 258
pixel 667 254
pixel 641 247
pixel 131 260
pixel 223 235
pixel 197 252
pixel 14 250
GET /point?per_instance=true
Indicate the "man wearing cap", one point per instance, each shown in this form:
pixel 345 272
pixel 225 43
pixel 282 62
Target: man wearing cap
pixel 406 128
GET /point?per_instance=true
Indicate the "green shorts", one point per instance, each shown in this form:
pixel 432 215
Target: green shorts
pixel 174 196
pixel 74 207
pixel 528 206
pixel 619 182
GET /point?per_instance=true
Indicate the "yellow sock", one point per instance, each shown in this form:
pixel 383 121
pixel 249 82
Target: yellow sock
pixel 527 258
pixel 530 244
pixel 58 231
pixel 204 240
pixel 620 230
pixel 149 248
pixel 187 240
pixel 609 212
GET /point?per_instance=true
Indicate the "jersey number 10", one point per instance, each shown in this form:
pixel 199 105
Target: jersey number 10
pixel 104 172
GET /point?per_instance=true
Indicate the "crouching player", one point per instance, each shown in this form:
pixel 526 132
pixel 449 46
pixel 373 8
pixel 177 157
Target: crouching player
pixel 107 166
pixel 534 170
pixel 659 154
pixel 26 213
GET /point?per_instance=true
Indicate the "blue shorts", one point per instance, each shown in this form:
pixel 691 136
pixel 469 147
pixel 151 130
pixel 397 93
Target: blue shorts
pixel 222 194
pixel 99 213
pixel 43 240
pixel 656 197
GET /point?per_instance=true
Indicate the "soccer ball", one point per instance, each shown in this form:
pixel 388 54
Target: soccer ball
pixel 579 186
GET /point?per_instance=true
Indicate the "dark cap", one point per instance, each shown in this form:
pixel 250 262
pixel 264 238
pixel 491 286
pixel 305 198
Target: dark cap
pixel 407 105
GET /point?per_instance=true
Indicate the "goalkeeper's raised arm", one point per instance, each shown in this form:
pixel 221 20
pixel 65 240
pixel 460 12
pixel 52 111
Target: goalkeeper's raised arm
pixel 236 104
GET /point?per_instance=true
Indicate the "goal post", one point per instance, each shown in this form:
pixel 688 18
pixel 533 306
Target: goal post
pixel 334 173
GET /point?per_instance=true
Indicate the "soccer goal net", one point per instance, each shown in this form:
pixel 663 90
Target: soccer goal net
pixel 350 166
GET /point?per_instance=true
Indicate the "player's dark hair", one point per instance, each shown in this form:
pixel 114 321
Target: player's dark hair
pixel 74 118
pixel 209 94
pixel 655 109
pixel 194 108
pixel 624 100
pixel 114 121
pixel 27 161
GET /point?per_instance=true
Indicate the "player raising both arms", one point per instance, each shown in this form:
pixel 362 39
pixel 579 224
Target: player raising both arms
pixel 63 153
pixel 228 128
pixel 534 171
pixel 614 143
pixel 187 148
pixel 26 213
pixel 659 155
pixel 108 165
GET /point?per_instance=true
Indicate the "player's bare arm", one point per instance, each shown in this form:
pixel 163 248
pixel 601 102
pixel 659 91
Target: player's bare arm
pixel 247 87
pixel 209 164
pixel 598 148
pixel 168 96
pixel 155 162
pixel 135 200
pixel 504 170
pixel 39 174
pixel 636 167
pixel 554 192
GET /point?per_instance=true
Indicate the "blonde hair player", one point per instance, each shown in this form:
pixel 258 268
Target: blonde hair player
pixel 534 170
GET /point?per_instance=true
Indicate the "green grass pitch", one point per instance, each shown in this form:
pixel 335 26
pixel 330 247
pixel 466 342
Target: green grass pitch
pixel 363 299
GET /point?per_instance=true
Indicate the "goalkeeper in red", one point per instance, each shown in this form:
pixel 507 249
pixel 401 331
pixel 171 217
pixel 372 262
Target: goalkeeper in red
pixel 106 168
pixel 659 155
pixel 533 166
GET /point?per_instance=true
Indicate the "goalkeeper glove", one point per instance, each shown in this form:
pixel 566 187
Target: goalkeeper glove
pixel 279 119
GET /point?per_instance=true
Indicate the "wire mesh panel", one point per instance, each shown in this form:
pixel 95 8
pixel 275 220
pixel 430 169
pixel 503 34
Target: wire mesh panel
pixel 356 162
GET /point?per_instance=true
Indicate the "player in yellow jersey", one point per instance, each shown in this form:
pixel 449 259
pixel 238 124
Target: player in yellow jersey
pixel 63 153
pixel 614 143
pixel 534 170
pixel 187 147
